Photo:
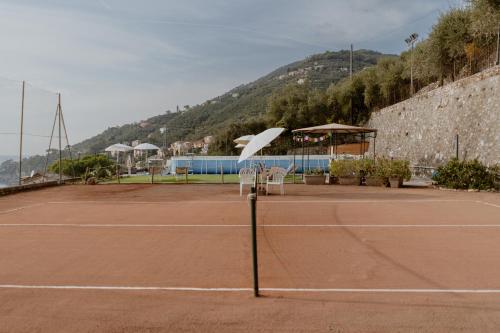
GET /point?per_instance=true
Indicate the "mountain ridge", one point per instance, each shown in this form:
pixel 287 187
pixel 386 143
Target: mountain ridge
pixel 241 103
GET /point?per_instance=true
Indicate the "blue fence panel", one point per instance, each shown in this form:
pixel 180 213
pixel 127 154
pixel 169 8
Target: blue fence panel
pixel 230 165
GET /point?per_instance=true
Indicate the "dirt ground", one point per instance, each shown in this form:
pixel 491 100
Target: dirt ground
pixel 174 258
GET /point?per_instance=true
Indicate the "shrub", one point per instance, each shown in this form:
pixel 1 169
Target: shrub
pixel 100 165
pixel 386 168
pixel 317 171
pixel 466 175
pixel 399 169
pixel 366 168
pixel 344 168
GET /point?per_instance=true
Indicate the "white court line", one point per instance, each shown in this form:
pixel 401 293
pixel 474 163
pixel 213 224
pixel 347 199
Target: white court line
pixel 262 201
pixel 286 290
pixel 488 204
pixel 144 202
pixel 121 225
pixel 247 226
pixel 19 208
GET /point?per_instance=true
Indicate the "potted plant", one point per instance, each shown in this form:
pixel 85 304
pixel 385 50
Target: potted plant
pixel 399 170
pixel 346 172
pixel 314 177
pixel 367 169
pixel 383 171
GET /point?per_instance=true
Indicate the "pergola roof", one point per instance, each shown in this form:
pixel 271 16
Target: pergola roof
pixel 335 128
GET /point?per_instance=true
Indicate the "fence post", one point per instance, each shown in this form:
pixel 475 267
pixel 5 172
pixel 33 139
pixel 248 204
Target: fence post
pixel 222 172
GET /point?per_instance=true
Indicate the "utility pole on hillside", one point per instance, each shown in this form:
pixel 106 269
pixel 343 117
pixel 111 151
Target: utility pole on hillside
pixel 410 41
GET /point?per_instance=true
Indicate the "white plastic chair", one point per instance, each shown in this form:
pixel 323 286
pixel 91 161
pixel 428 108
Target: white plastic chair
pixel 247 177
pixel 277 177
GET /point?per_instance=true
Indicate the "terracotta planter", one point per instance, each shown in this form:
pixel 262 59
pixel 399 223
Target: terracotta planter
pixel 396 182
pixel 314 179
pixel 349 181
pixel 332 180
pixel 373 181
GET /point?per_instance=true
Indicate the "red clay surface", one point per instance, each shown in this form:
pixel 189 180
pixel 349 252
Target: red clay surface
pixel 414 241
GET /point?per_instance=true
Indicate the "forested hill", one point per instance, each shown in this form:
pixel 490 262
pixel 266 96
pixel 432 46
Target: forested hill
pixel 239 104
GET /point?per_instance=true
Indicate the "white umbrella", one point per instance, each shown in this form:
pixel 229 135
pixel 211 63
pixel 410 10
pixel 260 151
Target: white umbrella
pixel 146 146
pixel 118 147
pixel 259 142
pixel 243 140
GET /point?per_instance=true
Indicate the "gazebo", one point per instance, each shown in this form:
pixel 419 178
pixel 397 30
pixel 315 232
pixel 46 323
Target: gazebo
pixel 334 130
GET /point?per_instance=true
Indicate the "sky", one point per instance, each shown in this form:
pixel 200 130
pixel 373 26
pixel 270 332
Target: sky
pixel 120 61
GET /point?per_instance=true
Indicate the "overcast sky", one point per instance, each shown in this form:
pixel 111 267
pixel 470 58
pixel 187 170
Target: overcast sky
pixel 119 61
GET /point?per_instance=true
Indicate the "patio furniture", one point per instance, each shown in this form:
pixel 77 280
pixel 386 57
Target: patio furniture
pixel 181 171
pixel 247 177
pixel 276 177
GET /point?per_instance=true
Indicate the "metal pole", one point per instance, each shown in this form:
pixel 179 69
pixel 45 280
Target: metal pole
pixel 350 63
pixel 456 146
pixel 60 136
pixel 67 142
pixel 21 135
pixel 303 170
pixel 411 69
pixel 50 145
pixel 350 76
pixel 293 147
pixel 498 45
pixel 252 198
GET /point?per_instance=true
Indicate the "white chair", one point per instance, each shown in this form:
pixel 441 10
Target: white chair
pixel 247 177
pixel 277 177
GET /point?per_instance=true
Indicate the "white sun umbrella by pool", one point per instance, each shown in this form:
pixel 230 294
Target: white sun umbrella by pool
pixel 260 141
pixel 243 140
pixel 146 146
pixel 118 148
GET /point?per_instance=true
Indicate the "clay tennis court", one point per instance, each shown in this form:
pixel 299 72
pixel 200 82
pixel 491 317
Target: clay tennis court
pixel 126 258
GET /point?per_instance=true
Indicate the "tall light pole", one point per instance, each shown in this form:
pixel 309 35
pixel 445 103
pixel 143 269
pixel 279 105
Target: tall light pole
pixel 350 77
pixel 411 43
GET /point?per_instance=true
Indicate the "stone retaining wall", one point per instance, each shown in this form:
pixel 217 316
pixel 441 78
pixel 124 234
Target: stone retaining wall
pixel 423 129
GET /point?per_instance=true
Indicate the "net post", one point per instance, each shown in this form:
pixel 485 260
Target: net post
pixel 252 199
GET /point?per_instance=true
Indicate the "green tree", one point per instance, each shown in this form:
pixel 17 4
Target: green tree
pixel 448 39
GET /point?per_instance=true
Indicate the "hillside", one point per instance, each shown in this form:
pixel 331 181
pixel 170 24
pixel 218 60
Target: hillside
pixel 239 104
